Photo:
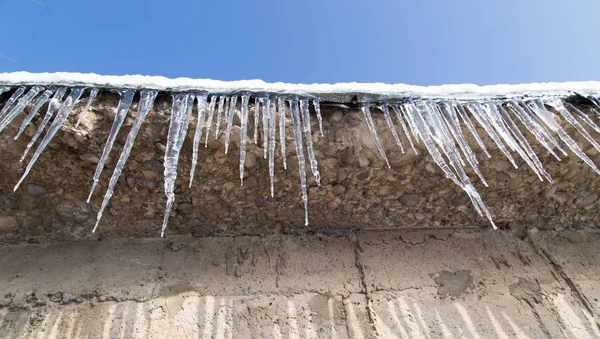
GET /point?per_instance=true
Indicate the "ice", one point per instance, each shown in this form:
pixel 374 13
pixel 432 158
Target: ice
pixel 93 94
pixel 147 98
pixel 282 142
pixel 467 121
pixel 317 106
pixel 61 116
pixel 219 114
pixel 4 89
pixel 230 116
pixel 305 117
pixel 266 110
pixel 180 119
pixel 404 128
pixel 23 101
pixel 52 107
pixel 583 117
pixel 198 135
pixel 16 95
pixel 211 113
pixel 386 113
pixel 41 100
pixel 297 131
pixel 567 116
pixel 245 100
pixel 256 118
pixel 371 126
pixel 272 134
pixel 124 104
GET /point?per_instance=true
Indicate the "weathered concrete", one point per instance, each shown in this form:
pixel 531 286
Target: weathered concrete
pixel 371 284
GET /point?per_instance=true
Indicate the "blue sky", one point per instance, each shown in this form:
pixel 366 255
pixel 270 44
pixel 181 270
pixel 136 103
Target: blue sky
pixel 421 42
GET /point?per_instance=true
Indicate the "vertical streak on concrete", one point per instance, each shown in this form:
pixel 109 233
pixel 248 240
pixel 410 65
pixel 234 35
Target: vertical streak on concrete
pixel 364 286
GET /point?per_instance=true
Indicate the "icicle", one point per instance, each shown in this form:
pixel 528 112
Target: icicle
pixel 537 106
pixel 309 144
pixel 93 94
pixel 230 116
pixel 272 134
pixel 467 121
pixel 52 107
pixel 595 101
pixel 317 106
pixel 409 119
pixel 538 131
pixel 41 100
pixel 404 128
pixel 180 119
pixel 147 98
pixel 61 116
pixel 584 117
pixel 566 115
pixel 266 108
pixel 482 118
pixel 245 99
pixel 297 129
pixel 16 95
pixel 390 123
pixel 256 118
pixel 219 114
pixel 371 125
pixel 23 101
pixel 120 114
pixel 282 142
pixel 211 113
pixel 4 89
pixel 198 134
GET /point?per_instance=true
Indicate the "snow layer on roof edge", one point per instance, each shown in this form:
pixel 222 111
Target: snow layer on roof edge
pixel 463 91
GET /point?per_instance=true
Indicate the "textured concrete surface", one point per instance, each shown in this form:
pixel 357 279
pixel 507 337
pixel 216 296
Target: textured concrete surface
pixel 431 284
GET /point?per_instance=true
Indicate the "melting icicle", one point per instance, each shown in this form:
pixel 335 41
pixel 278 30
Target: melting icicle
pixel 390 123
pixel 309 144
pixel 256 118
pixel 282 142
pixel 266 107
pixel 211 113
pixel 180 119
pixel 404 128
pixel 61 116
pixel 272 134
pixel 584 117
pixel 145 105
pixel 230 116
pixel 41 100
pixel 317 106
pixel 219 114
pixel 23 101
pixel 537 106
pixel 52 107
pixel 245 99
pixel 467 121
pixel 297 129
pixel 371 125
pixel 120 114
pixel 198 134
pixel 93 94
pixel 566 115
pixel 16 95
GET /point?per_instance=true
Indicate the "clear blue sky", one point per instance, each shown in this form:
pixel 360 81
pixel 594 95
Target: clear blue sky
pixel 422 42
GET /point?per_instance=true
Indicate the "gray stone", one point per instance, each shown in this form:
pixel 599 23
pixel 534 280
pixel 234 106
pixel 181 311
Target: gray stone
pixel 80 217
pixel 453 284
pixel 587 200
pixel 460 200
pixel 501 176
pixel 374 208
pixel 409 200
pixel 35 189
pixel 90 157
pixel 66 298
pixel 154 165
pixel 348 157
pixel 47 221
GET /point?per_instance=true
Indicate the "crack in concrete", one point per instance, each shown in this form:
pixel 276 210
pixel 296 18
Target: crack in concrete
pixel 364 286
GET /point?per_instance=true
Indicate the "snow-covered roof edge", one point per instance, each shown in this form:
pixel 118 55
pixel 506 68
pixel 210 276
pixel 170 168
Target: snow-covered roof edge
pixel 461 91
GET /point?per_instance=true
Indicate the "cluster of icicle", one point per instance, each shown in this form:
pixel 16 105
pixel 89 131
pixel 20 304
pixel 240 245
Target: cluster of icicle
pixel 438 124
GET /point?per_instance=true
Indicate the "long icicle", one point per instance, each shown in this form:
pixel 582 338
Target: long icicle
pixel 584 117
pixel 23 101
pixel 317 106
pixel 282 142
pixel 16 95
pixel 244 135
pixel 256 118
pixel 272 135
pixel 305 117
pixel 388 119
pixel 93 94
pixel 211 113
pixel 198 134
pixel 404 128
pixel 371 126
pixel 297 129
pixel 266 111
pixel 52 107
pixel 180 119
pixel 219 115
pixel 41 100
pixel 460 110
pixel 120 114
pixel 61 116
pixel 230 116
pixel 147 98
